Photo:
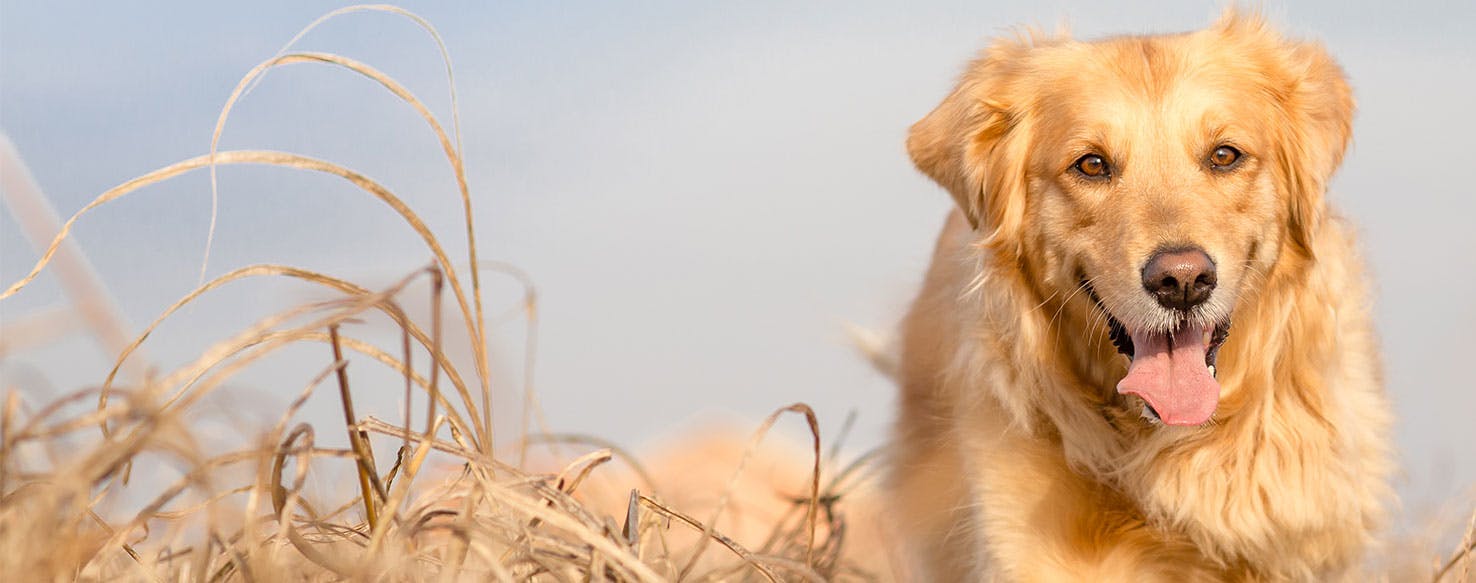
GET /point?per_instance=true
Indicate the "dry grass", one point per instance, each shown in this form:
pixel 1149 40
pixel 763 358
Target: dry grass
pixel 449 508
pixel 1459 566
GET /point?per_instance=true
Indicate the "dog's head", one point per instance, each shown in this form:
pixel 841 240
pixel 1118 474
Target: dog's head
pixel 1154 179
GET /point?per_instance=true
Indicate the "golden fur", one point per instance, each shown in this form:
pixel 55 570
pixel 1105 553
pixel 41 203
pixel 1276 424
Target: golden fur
pixel 1016 458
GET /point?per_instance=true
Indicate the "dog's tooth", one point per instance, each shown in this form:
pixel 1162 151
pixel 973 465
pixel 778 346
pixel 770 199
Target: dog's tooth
pixel 1212 371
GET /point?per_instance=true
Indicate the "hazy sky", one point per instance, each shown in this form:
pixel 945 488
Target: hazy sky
pixel 705 195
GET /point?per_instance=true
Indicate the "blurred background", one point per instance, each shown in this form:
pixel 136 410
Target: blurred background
pixel 706 196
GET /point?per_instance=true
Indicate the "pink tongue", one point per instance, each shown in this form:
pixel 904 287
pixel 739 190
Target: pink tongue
pixel 1173 380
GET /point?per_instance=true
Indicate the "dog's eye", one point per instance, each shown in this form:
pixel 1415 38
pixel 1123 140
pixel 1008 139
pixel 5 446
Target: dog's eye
pixel 1093 166
pixel 1224 157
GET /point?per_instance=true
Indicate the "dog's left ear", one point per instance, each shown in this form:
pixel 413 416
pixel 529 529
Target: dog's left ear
pixel 973 145
pixel 1319 105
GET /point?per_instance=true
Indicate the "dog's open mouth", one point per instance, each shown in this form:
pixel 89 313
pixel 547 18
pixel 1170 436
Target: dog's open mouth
pixel 1173 372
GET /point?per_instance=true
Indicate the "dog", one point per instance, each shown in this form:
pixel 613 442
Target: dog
pixel 1074 401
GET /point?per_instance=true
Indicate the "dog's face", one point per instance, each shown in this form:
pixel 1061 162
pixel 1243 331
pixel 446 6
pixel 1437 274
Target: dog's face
pixel 1149 181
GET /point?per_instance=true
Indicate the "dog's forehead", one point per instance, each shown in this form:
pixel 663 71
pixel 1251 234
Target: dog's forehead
pixel 1131 85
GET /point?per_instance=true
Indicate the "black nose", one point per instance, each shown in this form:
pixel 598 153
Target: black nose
pixel 1180 279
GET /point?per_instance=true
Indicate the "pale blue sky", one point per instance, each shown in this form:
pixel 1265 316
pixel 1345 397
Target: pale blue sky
pixel 704 194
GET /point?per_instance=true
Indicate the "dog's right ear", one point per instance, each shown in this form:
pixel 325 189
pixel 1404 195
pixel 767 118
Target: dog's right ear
pixel 970 144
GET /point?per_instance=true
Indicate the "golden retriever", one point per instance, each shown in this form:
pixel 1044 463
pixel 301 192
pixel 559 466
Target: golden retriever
pixel 1075 404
